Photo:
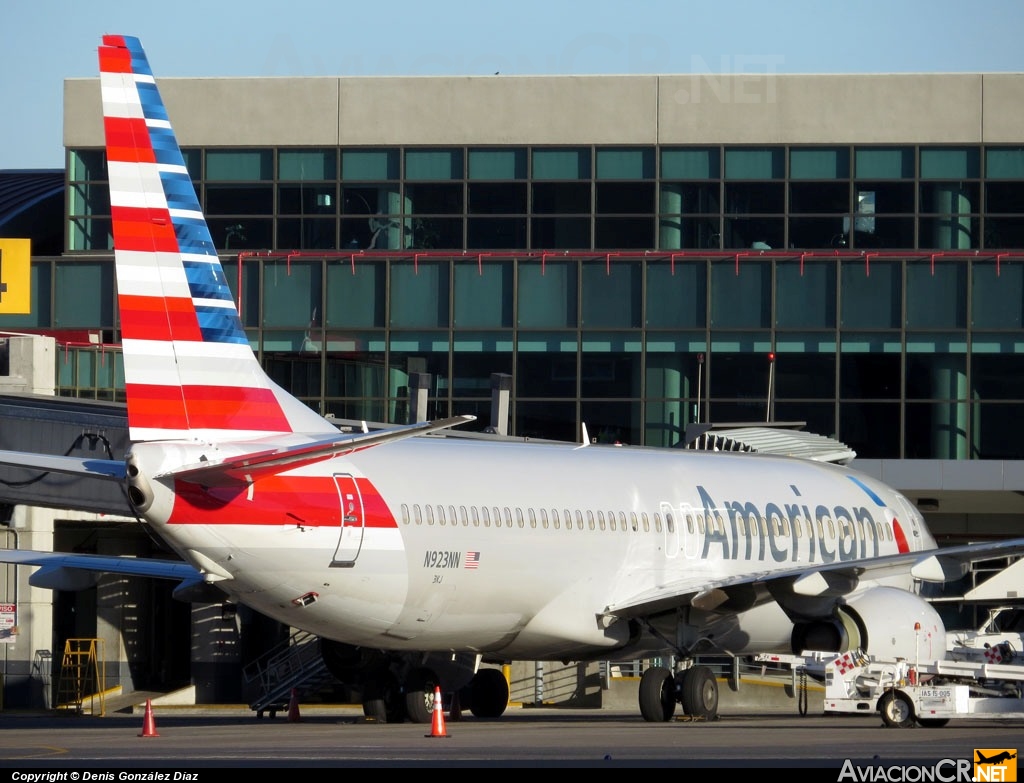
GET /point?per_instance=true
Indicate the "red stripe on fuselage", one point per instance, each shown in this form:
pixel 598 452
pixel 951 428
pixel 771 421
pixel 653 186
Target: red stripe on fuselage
pixel 155 318
pixel 310 501
pixel 208 407
pixel 899 536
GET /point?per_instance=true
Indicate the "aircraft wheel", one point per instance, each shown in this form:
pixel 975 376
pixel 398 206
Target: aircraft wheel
pixel 932 723
pixel 383 701
pixel 657 694
pixel 419 695
pixel 488 693
pixel 700 693
pixel 897 710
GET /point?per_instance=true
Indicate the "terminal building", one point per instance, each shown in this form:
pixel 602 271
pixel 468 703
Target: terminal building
pixel 628 257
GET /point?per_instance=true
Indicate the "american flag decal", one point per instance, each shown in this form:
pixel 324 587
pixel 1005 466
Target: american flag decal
pixel 472 559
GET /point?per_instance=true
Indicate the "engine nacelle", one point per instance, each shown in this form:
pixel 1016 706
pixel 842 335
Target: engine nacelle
pixel 885 622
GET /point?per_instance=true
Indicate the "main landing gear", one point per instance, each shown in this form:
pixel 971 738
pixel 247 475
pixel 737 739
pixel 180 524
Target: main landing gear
pixel 385 701
pixel 695 688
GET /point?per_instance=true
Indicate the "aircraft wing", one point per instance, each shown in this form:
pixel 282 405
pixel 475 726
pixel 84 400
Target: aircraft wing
pixel 68 571
pixel 827 579
pixel 111 469
pixel 247 467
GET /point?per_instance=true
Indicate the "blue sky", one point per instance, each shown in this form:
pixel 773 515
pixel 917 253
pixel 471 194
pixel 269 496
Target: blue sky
pixel 43 42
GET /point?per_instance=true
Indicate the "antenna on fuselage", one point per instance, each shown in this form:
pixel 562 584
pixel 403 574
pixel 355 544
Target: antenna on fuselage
pixel 585 435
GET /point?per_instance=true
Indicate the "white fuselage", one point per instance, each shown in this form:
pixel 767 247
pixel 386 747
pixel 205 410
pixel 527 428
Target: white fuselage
pixel 517 549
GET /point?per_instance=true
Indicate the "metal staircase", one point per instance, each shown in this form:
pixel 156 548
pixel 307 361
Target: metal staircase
pixel 295 663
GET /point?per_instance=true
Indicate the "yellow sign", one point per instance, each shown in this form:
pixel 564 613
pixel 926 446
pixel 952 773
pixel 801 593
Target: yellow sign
pixel 995 764
pixel 15 276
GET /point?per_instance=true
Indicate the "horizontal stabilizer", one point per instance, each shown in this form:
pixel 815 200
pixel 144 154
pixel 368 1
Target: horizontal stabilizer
pixel 111 469
pixel 247 467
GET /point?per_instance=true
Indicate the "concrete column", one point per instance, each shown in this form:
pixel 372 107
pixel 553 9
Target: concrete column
pixel 419 388
pixel 501 388
pixel 670 226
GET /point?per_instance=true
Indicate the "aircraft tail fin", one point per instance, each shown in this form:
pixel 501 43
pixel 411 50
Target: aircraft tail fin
pixel 189 369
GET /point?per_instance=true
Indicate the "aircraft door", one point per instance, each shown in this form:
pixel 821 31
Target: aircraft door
pixel 350 540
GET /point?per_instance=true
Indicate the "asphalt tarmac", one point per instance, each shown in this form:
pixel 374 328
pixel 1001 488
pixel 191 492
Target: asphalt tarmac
pixel 112 747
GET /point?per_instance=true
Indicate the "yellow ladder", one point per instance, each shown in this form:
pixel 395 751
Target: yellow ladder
pixel 81 676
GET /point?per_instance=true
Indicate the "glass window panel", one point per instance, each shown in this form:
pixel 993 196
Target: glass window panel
pixel 419 294
pixel 819 197
pixel 1004 232
pixel 957 198
pixel 872 198
pixel 87 164
pixel 239 200
pixel 936 430
pixel 950 232
pixel 194 162
pixel 817 417
pixel 350 375
pixel 740 370
pixel 546 365
pixel 495 233
pixel 1004 163
pixel 950 163
pixel 817 232
pixel 355 294
pixel 872 375
pixel 90 234
pixel 434 233
pixel 805 294
pixel 677 295
pixel 561 198
pixel 625 163
pixel 754 198
pixel 612 294
pixel 307 234
pixel 307 165
pixel 807 374
pixel 291 293
pixel 756 233
pixel 245 233
pixel 483 294
pixel 998 376
pixel 612 422
pixel 819 163
pixel 560 233
pixel 624 197
pixel 433 164
pixel 997 295
pixel 298 375
pixel 1004 197
pixel 561 163
pixel 612 233
pixel 89 198
pixel 885 233
pixel 741 163
pixel 998 432
pixel 476 357
pixel 871 294
pixel 40 286
pixel 497 164
pixel 556 420
pixel 610 365
pixel 678 233
pixel 434 199
pixel 936 368
pixel 497 198
pixel 872 429
pixel 681 198
pixel 884 163
pixel 741 294
pixel 672 388
pixel 369 165
pixel 307 199
pixel 83 295
pixel 417 353
pixel 547 294
pixel 242 165
pixel 690 163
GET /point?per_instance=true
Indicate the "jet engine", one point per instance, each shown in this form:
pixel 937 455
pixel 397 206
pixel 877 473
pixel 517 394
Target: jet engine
pixel 885 622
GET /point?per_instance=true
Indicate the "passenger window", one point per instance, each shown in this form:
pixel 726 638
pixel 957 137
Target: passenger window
pixel 590 519
pixel 544 518
pixel 452 518
pixel 405 514
pixel 430 514
pixel 646 522
pixel 417 514
pixel 508 517
pixel 657 521
pixel 519 517
pixel 462 516
pixel 632 518
pixel 476 516
pixel 689 522
pixel 440 515
pixel 670 524
pixel 601 521
pixel 579 519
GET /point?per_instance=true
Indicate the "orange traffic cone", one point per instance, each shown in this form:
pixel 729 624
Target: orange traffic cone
pixel 293 708
pixel 437 726
pixel 455 711
pixel 148 725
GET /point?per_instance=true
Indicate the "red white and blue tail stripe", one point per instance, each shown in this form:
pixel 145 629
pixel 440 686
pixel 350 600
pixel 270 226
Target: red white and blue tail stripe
pixel 190 372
